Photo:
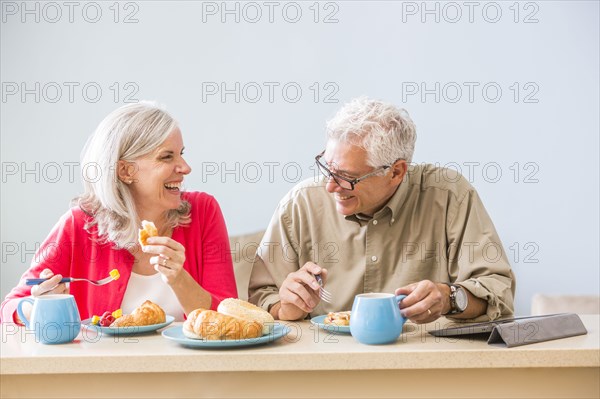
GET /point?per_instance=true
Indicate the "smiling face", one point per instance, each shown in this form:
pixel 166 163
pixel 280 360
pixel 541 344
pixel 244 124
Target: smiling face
pixel 369 195
pixel 157 178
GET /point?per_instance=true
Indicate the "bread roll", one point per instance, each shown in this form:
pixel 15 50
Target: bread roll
pixel 144 315
pixel 247 311
pixel 148 230
pixel 338 318
pixel 211 325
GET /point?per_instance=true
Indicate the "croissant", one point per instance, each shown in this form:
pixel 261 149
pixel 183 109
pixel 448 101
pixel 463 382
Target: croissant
pixel 148 230
pixel 211 325
pixel 144 315
pixel 247 311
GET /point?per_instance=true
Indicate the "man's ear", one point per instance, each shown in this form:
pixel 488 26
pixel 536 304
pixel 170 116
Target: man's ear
pixel 399 169
pixel 126 171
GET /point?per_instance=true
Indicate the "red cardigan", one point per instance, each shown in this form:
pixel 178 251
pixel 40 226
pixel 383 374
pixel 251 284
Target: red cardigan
pixel 73 252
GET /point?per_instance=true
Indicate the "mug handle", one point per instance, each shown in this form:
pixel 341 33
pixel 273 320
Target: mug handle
pixel 399 299
pixel 20 310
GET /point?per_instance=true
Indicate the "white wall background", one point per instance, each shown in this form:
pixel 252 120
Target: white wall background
pixel 541 132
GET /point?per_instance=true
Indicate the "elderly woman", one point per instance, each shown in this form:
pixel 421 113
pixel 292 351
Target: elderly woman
pixel 133 169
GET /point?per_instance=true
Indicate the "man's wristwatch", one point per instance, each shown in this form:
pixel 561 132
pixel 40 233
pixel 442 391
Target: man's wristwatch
pixel 459 300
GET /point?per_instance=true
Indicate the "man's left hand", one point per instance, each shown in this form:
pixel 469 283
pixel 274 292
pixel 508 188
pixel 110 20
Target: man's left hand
pixel 425 301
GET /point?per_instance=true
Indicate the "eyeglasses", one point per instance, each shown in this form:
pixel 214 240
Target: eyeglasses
pixel 344 182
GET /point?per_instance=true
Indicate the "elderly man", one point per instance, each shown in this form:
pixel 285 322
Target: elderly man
pixel 375 224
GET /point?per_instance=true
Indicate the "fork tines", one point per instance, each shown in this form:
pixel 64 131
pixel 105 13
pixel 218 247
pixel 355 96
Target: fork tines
pixel 323 293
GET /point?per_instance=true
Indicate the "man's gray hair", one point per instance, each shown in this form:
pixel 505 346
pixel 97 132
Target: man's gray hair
pixel 386 132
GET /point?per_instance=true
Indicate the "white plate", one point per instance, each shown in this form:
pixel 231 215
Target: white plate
pixel 176 334
pixel 129 330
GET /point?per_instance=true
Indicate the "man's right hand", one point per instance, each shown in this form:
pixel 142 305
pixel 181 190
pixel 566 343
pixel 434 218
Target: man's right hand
pixel 299 293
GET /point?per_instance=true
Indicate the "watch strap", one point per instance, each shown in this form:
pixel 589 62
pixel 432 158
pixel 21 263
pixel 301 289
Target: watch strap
pixel 453 307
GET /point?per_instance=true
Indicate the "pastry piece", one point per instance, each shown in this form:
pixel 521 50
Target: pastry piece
pixel 144 315
pixel 338 318
pixel 211 325
pixel 247 311
pixel 148 230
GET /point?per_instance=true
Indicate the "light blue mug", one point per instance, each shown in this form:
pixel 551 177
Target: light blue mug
pixel 376 318
pixel 54 318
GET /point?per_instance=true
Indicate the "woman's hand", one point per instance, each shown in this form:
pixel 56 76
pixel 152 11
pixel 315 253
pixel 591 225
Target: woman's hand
pixel 51 286
pixel 169 259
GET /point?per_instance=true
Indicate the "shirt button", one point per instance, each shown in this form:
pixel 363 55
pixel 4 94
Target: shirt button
pixel 374 221
pixel 374 258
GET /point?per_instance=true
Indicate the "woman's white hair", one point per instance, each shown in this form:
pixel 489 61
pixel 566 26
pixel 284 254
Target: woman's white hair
pixel 384 131
pixel 128 133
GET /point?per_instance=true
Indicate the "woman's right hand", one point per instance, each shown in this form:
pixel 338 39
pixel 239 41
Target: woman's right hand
pixel 51 286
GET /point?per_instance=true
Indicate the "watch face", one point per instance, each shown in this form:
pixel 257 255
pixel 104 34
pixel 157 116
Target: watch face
pixel 461 299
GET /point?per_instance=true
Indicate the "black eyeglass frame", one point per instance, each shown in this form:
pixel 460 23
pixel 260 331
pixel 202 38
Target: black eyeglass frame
pixel 327 173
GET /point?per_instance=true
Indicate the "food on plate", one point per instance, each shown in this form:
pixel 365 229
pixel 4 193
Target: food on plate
pixel 146 314
pixel 148 230
pixel 247 311
pixel 234 319
pixel 338 318
pixel 211 325
pixel 107 318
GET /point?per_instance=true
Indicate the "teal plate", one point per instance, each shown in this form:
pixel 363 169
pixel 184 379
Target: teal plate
pixel 176 334
pixel 131 330
pixel 319 322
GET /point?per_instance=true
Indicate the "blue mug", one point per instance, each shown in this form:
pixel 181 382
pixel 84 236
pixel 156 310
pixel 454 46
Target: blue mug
pixel 54 318
pixel 376 318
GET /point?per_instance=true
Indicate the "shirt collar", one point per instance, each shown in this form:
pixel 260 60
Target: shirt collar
pixel 397 200
pixel 392 206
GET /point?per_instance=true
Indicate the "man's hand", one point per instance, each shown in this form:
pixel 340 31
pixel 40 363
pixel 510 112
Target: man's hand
pixel 425 301
pixel 299 293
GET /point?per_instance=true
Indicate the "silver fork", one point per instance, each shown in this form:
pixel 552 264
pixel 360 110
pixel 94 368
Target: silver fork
pixel 323 293
pixel 36 281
